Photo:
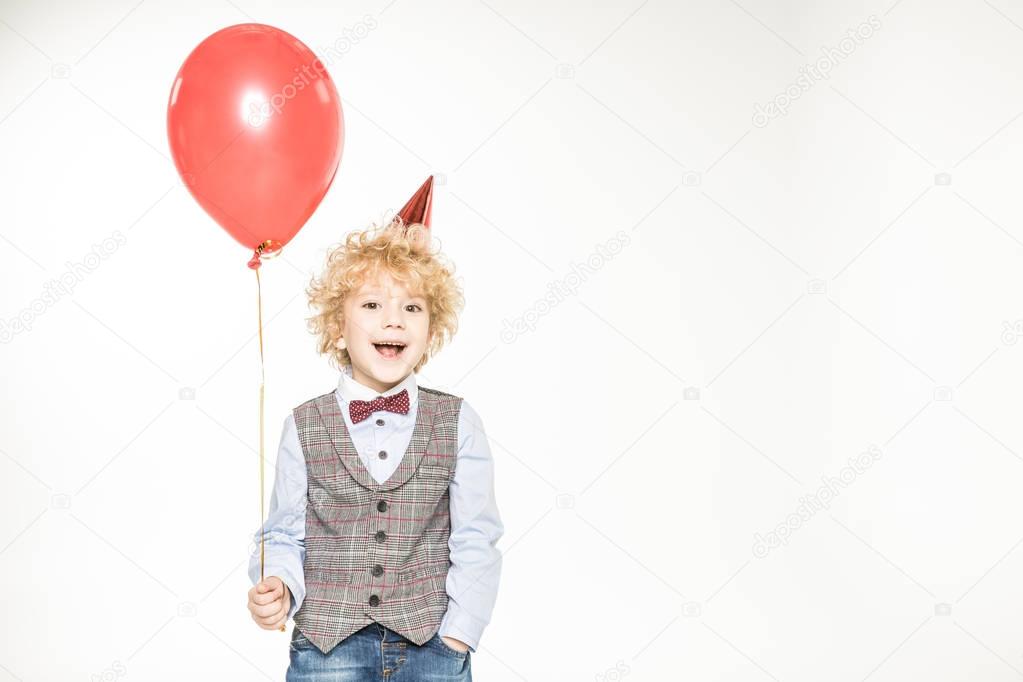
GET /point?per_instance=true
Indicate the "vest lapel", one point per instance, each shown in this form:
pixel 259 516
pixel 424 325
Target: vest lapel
pixel 337 429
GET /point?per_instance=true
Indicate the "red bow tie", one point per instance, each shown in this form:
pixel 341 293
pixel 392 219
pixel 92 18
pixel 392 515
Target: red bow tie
pixel 361 409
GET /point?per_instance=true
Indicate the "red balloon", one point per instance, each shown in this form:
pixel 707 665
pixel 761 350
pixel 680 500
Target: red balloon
pixel 256 132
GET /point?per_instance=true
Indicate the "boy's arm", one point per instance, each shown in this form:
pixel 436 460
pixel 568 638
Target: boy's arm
pixel 284 529
pixel 476 526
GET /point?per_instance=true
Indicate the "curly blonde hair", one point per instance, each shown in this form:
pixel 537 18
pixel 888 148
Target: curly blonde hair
pixel 402 250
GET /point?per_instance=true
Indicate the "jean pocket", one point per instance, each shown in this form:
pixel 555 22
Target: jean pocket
pixel 300 641
pixel 447 649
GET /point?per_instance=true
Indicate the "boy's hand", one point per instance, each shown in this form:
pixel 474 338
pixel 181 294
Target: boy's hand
pixel 269 602
pixel 456 644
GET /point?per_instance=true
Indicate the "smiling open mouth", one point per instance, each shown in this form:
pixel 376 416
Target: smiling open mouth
pixel 389 350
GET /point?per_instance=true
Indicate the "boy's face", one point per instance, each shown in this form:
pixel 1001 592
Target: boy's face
pixel 381 311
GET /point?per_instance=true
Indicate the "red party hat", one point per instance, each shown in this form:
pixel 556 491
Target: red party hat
pixel 417 210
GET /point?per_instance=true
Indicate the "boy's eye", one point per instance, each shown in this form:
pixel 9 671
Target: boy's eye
pixel 416 306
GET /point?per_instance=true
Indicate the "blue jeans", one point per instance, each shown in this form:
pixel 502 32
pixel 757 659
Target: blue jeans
pixel 377 654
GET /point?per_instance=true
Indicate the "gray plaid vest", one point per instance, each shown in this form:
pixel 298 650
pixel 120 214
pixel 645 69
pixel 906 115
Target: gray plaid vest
pixel 376 551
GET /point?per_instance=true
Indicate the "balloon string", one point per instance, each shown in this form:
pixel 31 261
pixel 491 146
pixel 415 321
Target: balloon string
pixel 262 476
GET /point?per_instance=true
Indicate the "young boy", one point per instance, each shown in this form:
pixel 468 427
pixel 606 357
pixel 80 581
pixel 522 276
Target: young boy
pixel 381 536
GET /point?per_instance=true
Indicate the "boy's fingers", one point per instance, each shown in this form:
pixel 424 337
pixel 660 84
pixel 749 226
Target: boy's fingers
pixel 272 619
pixel 268 592
pixel 277 622
pixel 254 595
pixel 267 605
pixel 266 597
pixel 267 610
pixel 262 622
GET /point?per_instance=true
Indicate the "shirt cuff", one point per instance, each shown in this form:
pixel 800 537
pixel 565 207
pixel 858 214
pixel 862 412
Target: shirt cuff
pixel 462 626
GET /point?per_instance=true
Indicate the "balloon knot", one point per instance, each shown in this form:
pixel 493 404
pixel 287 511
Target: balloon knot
pixel 268 249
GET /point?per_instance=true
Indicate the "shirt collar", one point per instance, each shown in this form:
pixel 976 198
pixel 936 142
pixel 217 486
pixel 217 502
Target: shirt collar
pixel 350 389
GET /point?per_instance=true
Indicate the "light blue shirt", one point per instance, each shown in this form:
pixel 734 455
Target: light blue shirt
pixel 476 526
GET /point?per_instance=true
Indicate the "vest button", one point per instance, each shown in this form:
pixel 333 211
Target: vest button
pixel 380 422
pixel 378 570
pixel 381 536
pixel 374 600
pixel 382 505
pixel 382 454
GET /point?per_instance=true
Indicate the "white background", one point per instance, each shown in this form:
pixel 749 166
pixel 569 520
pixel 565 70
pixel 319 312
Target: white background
pixel 845 279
